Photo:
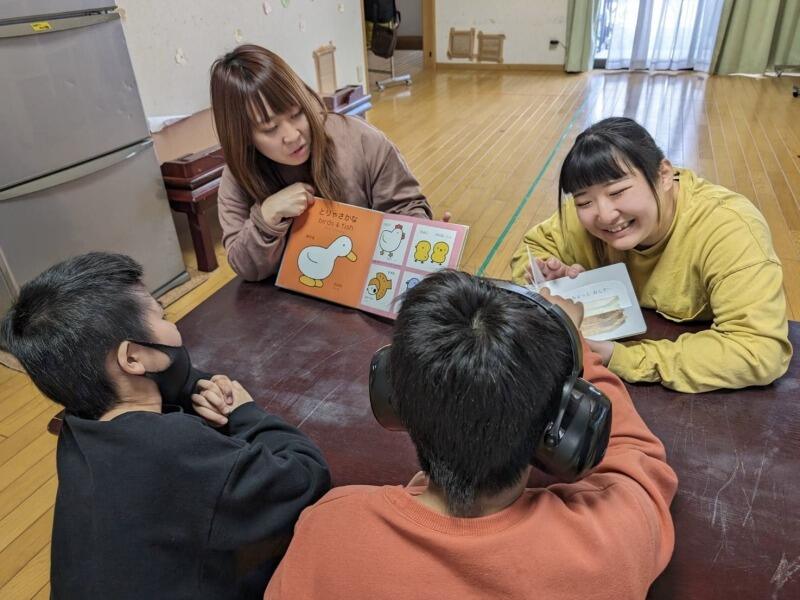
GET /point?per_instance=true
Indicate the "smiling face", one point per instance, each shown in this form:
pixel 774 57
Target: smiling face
pixel 623 212
pixel 284 138
pixel 621 183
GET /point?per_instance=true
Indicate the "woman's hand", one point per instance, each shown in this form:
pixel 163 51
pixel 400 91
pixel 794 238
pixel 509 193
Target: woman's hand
pixel 290 202
pixel 552 268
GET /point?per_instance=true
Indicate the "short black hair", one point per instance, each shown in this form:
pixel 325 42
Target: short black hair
pixel 476 371
pixel 609 150
pixel 67 320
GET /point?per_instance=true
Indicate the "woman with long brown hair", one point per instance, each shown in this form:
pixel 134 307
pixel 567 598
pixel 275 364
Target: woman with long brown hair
pixel 282 148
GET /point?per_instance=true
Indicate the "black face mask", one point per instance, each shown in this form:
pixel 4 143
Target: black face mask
pixel 177 382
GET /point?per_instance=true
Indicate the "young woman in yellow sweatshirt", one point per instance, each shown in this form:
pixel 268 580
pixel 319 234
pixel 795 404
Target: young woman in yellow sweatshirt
pixel 695 252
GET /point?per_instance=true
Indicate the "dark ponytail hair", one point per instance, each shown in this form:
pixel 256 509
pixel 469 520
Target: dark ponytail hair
pixel 606 151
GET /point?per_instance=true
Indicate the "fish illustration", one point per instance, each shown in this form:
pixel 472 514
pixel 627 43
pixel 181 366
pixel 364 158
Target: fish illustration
pixel 379 285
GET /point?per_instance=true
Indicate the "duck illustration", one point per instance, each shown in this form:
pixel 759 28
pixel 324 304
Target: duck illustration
pixel 421 251
pixel 379 285
pixel 391 239
pixel 316 263
pixel 410 283
pixel 440 250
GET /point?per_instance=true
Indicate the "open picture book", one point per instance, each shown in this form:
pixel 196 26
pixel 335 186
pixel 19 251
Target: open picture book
pixel 363 258
pixel 610 308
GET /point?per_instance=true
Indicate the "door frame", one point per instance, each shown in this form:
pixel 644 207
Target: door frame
pixel 428 37
pixel 429 33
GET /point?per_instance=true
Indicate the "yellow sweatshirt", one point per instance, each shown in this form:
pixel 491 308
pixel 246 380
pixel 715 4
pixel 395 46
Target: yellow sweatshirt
pixel 716 264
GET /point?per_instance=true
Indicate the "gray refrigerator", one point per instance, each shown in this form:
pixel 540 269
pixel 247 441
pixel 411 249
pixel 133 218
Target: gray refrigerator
pixel 78 171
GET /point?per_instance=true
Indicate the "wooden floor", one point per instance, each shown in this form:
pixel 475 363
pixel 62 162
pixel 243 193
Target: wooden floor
pixel 486 146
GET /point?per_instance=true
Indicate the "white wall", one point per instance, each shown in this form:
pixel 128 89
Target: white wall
pixel 411 14
pixel 204 29
pixel 528 25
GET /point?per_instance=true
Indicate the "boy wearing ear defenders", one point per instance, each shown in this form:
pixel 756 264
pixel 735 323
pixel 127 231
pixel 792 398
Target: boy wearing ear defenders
pixel 483 379
pixel 152 502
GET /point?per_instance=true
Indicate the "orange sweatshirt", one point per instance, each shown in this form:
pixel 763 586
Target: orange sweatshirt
pixel 607 536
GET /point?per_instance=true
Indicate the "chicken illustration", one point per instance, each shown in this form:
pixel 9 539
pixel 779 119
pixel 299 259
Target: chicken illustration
pixel 391 239
pixel 440 250
pixel 379 285
pixel 422 251
pixel 316 263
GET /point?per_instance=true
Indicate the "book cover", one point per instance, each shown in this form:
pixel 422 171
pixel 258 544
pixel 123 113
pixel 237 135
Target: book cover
pixel 610 308
pixel 363 258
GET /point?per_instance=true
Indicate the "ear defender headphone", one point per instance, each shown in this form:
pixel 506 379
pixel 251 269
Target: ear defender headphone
pixel 572 444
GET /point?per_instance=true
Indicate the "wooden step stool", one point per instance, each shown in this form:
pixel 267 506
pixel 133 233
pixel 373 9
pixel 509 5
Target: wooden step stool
pixel 192 182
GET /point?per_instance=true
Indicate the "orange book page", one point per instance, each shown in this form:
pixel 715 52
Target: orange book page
pixel 329 251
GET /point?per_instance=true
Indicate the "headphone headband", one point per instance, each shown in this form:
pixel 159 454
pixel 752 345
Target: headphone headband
pixel 553 433
pixel 572 443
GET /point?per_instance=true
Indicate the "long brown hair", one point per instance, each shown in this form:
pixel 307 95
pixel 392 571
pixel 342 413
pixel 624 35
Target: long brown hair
pixel 243 82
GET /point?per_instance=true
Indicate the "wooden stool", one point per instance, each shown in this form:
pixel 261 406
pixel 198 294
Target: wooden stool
pixel 192 182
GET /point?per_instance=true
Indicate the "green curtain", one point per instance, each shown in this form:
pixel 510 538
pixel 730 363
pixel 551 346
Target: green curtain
pixel 757 34
pixel 787 41
pixel 581 19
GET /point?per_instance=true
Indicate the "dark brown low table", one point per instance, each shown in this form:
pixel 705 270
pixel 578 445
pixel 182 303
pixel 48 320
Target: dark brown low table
pixel 737 454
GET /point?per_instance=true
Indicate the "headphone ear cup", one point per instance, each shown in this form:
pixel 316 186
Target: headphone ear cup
pixel 598 430
pixel 380 391
pixel 581 444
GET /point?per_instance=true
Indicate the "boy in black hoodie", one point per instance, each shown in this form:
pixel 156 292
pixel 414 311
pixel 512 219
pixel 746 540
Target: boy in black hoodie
pixel 153 502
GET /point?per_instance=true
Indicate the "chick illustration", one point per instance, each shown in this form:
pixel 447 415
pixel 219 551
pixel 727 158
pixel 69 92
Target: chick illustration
pixel 391 239
pixel 422 251
pixel 316 263
pixel 379 285
pixel 440 250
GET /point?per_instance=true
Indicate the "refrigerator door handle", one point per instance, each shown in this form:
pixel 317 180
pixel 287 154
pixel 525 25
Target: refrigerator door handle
pixel 51 26
pixel 76 172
